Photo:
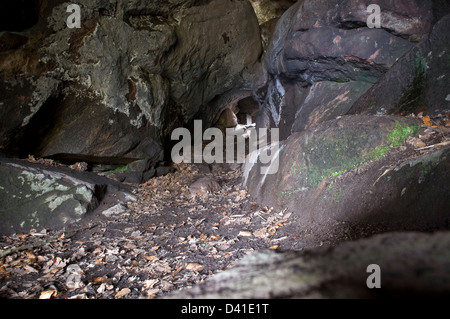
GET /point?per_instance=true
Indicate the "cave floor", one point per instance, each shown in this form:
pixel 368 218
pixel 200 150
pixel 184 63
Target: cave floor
pixel 164 241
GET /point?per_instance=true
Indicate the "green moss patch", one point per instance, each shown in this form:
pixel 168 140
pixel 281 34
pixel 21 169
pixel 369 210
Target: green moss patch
pixel 400 132
pixel 413 95
pixel 328 156
pixel 119 170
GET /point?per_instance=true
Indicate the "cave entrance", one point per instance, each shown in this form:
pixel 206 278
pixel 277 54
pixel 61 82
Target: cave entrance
pixel 247 110
pixel 243 112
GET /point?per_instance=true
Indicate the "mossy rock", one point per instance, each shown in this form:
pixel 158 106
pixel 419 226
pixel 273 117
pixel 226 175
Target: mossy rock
pixel 37 196
pixel 334 172
pixel 338 146
pixel 33 197
pixel 418 82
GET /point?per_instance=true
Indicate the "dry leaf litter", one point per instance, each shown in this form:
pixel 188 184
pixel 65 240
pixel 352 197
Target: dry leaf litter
pixel 182 229
pixel 170 238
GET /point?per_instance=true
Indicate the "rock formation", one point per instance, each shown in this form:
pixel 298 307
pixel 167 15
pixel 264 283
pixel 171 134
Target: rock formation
pixel 410 264
pixel 324 63
pixel 118 86
pixel 363 115
pixel 324 58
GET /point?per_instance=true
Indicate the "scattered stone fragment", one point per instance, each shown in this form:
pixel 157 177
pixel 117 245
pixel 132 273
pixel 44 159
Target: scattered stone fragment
pixel 203 186
pixel 115 210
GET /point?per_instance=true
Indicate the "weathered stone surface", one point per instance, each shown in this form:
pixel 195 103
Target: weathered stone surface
pixel 343 172
pixel 139 172
pixel 117 86
pixel 295 108
pixel 11 41
pixel 411 265
pixel 326 101
pixel 36 196
pixel 418 82
pixel 115 210
pixel 403 18
pixel 331 54
pixel 330 29
pixel 329 41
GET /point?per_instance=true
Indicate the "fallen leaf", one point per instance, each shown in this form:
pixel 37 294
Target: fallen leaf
pixel 80 296
pixel 194 267
pixel 129 246
pixel 150 283
pixel 150 258
pixel 245 234
pixel 98 261
pixel 214 237
pixel 272 231
pixel 101 289
pixel 32 257
pixel 48 294
pixel 151 293
pixel 418 143
pixel 122 293
pixel 275 247
pixel 427 121
pixel 3 272
pixel 286 217
pixel 99 280
pixel 41 259
pixel 177 271
pixel 30 269
pixel 262 233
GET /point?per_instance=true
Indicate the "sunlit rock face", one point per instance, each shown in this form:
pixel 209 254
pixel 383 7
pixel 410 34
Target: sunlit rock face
pixel 117 86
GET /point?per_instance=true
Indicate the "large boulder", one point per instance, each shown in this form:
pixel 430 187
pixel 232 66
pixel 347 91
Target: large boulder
pixel 34 196
pixel 324 52
pixel 418 82
pixel 315 33
pixel 118 86
pixel 409 265
pixel 356 172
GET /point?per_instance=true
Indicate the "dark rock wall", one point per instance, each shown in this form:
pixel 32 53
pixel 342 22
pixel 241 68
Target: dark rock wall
pixel 324 64
pixel 323 59
pixel 121 83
